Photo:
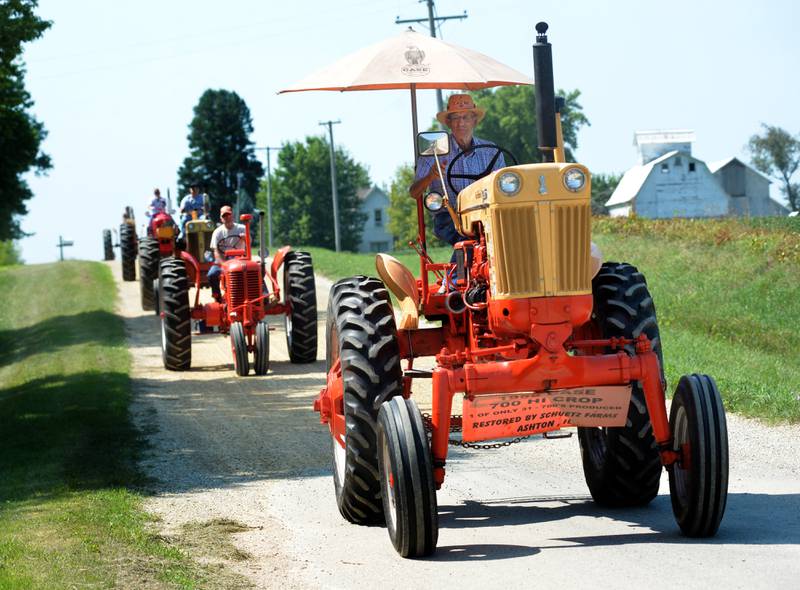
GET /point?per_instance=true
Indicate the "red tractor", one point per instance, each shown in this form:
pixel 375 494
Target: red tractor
pixel 245 303
pixel 532 334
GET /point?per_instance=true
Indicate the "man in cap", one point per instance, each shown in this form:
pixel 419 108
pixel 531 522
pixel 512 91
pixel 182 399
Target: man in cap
pixel 193 202
pixel 228 236
pixel 461 116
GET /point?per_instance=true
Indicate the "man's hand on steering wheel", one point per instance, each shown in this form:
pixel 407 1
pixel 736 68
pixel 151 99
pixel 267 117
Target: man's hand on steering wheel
pixel 485 172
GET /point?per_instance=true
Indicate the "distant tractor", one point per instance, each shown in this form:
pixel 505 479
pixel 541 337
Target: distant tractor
pixel 108 245
pixel 529 333
pixel 245 303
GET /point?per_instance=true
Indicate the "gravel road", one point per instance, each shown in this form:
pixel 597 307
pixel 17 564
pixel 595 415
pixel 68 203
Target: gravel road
pixel 251 450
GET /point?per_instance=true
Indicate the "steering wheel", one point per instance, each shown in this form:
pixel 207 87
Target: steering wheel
pixel 486 171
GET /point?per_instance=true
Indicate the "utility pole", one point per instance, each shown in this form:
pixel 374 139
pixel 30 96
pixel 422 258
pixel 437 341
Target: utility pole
pixel 432 20
pixel 269 194
pixel 330 125
pixel 62 243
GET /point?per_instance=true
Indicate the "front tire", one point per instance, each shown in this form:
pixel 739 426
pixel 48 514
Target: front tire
pixel 300 290
pixel 698 484
pixel 176 321
pixel 262 349
pixel 622 465
pixel 362 336
pixel 241 362
pixel 127 249
pixel 149 256
pixel 407 486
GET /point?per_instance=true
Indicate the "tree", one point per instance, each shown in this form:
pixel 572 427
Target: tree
pixel 403 221
pixel 221 149
pixel 9 253
pixel 21 134
pixel 302 209
pixel 603 186
pixel 777 154
pixel 510 120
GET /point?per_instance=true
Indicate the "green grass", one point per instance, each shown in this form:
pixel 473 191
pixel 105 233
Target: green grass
pixel 727 294
pixel 69 513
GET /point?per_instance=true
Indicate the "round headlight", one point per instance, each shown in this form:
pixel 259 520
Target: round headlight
pixel 434 201
pixel 574 179
pixel 509 183
pixel 208 256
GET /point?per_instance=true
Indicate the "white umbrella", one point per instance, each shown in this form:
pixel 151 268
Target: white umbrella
pixel 411 60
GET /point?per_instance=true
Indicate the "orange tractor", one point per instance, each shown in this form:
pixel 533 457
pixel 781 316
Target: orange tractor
pixel 532 334
pixel 245 303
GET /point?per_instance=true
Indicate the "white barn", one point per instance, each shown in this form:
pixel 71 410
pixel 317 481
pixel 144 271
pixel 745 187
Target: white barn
pixel 670 182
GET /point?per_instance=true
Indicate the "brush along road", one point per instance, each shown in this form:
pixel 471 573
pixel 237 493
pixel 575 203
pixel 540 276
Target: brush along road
pixel 253 451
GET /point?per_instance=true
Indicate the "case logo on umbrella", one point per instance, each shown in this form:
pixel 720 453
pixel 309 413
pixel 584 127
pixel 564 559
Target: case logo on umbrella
pixel 414 56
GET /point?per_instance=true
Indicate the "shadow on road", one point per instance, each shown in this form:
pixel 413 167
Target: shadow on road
pixel 750 519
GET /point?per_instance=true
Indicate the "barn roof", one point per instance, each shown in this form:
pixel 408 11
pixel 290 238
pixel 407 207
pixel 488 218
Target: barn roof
pixel 720 164
pixel 633 179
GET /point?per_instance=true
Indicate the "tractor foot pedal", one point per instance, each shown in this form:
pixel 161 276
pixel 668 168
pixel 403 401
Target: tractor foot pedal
pixel 553 434
pixel 418 373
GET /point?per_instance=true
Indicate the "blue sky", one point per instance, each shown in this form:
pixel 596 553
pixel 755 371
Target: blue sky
pixel 115 84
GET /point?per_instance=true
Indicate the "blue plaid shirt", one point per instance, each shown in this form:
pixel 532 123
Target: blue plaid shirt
pixel 473 163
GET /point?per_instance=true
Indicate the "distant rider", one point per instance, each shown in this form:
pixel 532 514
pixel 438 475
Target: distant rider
pixel 158 204
pixel 194 201
pixel 228 236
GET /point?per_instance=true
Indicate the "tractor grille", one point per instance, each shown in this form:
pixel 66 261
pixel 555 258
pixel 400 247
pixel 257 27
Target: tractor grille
pixel 197 243
pixel 243 285
pixel 517 267
pixel 541 249
pixel 571 239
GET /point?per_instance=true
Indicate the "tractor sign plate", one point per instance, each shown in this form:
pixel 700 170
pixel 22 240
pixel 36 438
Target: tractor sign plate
pixel 509 415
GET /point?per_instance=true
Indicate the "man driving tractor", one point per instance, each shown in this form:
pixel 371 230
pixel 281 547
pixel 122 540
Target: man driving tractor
pixel 228 236
pixel 461 116
pixel 157 204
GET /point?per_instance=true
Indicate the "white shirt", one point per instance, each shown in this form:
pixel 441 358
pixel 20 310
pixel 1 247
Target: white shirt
pixel 225 239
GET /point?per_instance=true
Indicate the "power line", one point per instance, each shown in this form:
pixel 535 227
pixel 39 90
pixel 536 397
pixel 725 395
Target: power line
pixel 330 125
pixel 433 22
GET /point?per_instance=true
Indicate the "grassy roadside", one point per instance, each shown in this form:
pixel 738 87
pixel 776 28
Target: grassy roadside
pixel 726 292
pixel 68 515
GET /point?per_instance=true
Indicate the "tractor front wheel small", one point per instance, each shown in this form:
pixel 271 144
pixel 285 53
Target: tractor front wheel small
pixel 262 349
pixel 241 362
pixel 127 250
pixel 149 256
pixel 407 486
pixel 698 483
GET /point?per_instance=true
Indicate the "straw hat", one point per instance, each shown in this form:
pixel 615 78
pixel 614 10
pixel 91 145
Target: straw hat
pixel 460 103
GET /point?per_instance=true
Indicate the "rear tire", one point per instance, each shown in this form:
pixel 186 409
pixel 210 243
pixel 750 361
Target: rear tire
pixel 300 290
pixel 176 325
pixel 622 465
pixel 157 296
pixel 407 486
pixel 127 251
pixel 361 333
pixel 699 489
pixel 149 256
pixel 241 362
pixel 262 349
pixel 108 245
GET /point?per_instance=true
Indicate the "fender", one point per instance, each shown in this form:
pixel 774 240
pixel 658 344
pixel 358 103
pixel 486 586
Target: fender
pixel 196 268
pixel 277 261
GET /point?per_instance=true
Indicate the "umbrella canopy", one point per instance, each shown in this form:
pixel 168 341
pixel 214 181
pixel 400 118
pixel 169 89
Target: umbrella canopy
pixel 412 60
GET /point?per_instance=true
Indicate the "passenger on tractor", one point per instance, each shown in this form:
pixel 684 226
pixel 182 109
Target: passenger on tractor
pixel 191 203
pixel 158 204
pixel 228 236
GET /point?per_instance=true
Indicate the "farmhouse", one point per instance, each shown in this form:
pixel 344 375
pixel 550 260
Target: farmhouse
pixel 376 236
pixel 670 182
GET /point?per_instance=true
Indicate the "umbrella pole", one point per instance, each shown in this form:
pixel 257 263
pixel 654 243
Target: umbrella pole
pixel 423 264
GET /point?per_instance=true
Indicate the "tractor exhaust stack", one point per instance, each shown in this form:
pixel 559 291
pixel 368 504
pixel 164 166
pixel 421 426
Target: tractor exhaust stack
pixel 545 93
pixel 261 250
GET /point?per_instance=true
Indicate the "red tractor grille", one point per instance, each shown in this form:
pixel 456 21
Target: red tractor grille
pixel 243 285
